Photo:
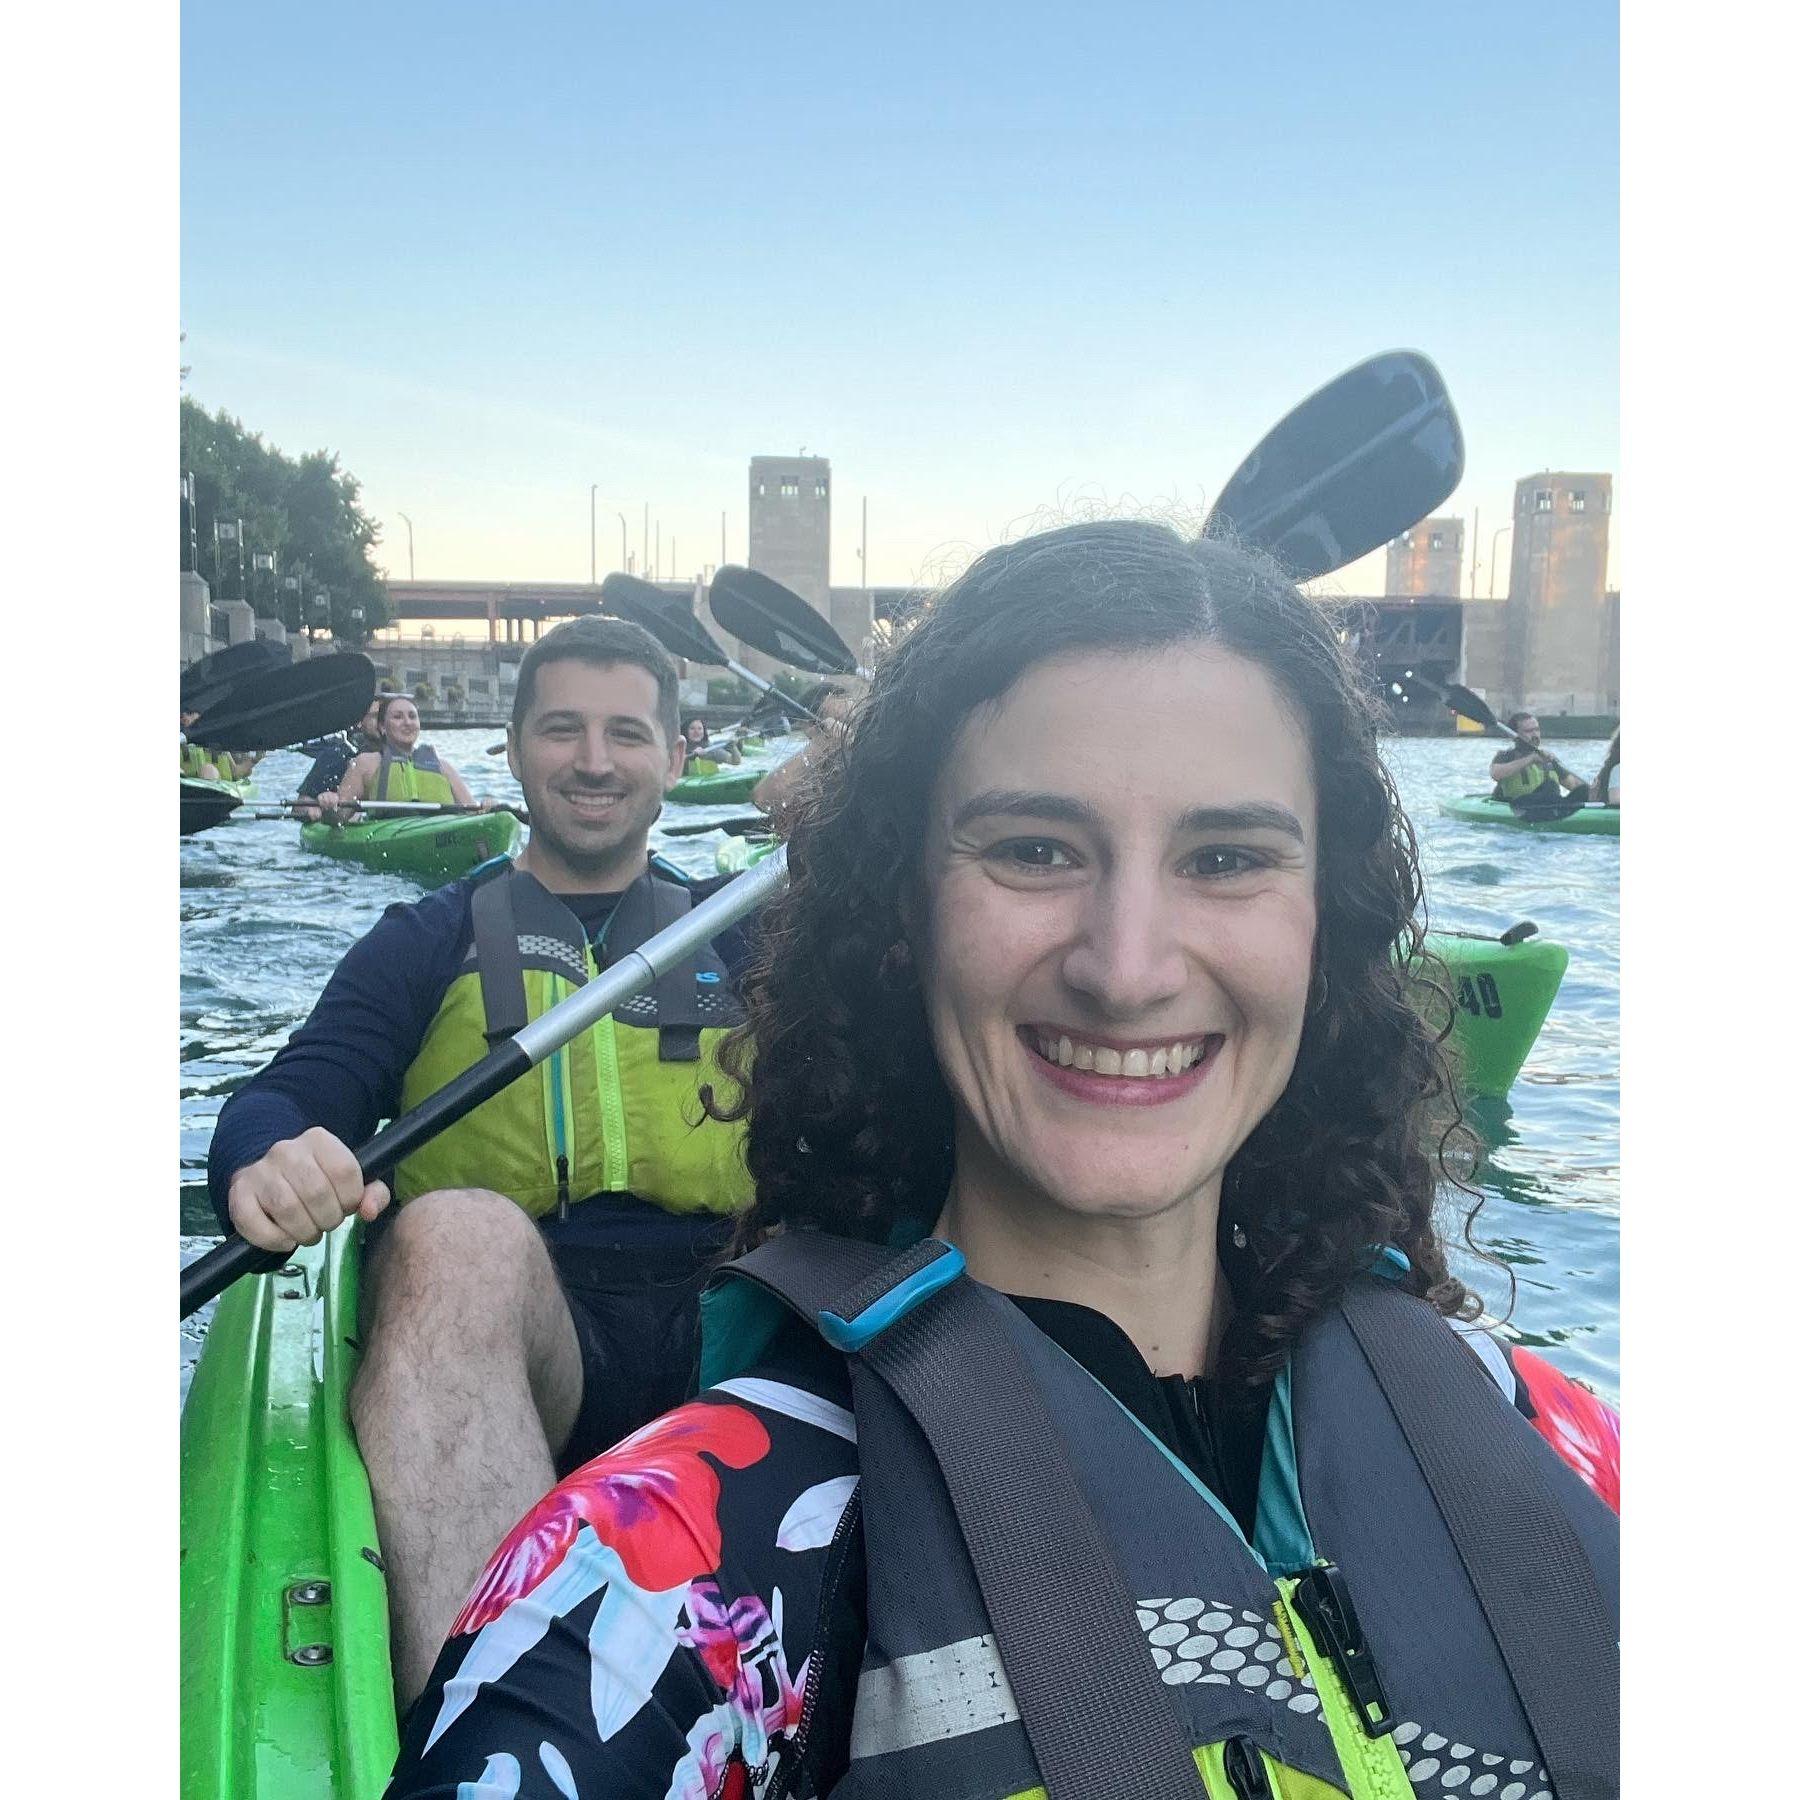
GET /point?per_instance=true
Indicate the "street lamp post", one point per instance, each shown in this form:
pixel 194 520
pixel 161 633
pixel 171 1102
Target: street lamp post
pixel 593 553
pixel 409 549
pixel 1493 546
pixel 624 554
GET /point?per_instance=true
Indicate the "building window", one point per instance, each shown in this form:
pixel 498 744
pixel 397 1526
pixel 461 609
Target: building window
pixel 1578 501
pixel 790 488
pixel 478 684
pixel 818 490
pixel 1546 499
pixel 762 490
pixel 1437 540
pixel 1605 501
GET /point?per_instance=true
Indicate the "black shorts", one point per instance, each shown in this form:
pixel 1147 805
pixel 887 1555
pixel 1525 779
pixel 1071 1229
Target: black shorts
pixel 632 1276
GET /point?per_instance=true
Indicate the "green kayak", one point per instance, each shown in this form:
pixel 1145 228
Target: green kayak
pixel 286 1683
pixel 724 788
pixel 1593 820
pixel 1503 992
pixel 431 850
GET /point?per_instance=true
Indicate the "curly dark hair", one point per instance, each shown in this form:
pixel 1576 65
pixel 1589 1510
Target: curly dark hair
pixel 850 1120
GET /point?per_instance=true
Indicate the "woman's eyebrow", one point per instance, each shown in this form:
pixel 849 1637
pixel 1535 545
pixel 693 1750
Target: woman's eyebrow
pixel 1024 803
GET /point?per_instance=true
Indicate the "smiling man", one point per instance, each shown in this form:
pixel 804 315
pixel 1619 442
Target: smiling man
pixel 533 1297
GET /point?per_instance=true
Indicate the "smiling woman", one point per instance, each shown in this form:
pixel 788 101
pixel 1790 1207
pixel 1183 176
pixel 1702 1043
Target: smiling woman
pixel 1094 1148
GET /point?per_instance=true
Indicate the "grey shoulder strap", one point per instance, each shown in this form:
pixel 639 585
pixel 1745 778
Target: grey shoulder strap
pixel 1048 1578
pixel 381 779
pixel 645 908
pixel 1513 1536
pixel 498 965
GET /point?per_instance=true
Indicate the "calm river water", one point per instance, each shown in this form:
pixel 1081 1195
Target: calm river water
pixel 263 923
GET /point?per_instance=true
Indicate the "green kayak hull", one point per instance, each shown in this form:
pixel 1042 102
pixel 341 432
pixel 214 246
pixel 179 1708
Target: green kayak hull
pixel 1593 820
pixel 725 788
pixel 1503 994
pixel 431 850
pixel 286 1684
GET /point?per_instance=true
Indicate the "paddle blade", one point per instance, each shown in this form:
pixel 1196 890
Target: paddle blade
pixel 206 682
pixel 1470 706
pixel 205 804
pixel 668 618
pixel 775 620
pixel 287 705
pixel 1350 468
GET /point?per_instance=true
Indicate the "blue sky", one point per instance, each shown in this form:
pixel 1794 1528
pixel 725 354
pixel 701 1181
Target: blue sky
pixel 989 259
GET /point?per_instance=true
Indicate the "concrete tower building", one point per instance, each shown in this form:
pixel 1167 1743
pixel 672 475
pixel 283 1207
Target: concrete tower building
pixel 1426 560
pixel 790 532
pixel 1558 637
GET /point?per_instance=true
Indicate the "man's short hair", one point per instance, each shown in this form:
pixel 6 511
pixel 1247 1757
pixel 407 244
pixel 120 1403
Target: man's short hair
pixel 1515 719
pixel 601 642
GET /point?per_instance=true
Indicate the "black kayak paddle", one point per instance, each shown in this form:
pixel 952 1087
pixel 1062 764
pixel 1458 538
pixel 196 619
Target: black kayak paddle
pixel 670 620
pixel 775 620
pixel 1349 469
pixel 283 706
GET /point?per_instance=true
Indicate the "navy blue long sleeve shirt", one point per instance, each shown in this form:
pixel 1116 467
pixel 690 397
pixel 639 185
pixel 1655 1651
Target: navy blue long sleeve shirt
pixel 343 1069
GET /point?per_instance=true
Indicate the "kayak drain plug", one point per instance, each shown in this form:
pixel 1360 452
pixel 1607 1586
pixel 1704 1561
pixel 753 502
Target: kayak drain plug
pixel 311 1655
pixel 311 1593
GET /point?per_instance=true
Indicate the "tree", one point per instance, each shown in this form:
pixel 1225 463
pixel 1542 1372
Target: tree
pixel 308 512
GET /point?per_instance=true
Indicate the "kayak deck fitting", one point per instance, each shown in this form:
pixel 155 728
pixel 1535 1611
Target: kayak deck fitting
pixel 286 1681
pixel 1593 819
pixel 431 850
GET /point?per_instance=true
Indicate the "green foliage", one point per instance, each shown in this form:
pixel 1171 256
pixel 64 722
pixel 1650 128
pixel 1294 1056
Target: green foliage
pixel 728 690
pixel 308 512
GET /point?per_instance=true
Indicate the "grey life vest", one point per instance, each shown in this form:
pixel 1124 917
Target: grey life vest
pixel 1428 1605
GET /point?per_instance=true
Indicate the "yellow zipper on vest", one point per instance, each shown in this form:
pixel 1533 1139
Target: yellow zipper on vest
pixel 1371 1765
pixel 615 1158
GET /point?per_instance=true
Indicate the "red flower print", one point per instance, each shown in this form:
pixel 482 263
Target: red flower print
pixel 651 1499
pixel 1581 1428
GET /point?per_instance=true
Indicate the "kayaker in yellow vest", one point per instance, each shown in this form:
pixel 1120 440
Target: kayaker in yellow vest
pixel 533 1297
pixel 1533 777
pixel 704 756
pixel 200 764
pixel 402 768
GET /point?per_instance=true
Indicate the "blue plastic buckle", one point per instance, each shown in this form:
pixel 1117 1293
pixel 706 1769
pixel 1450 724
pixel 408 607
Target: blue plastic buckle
pixel 896 1303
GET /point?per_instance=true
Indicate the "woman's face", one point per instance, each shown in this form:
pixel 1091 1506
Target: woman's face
pixel 400 726
pixel 696 732
pixel 1121 914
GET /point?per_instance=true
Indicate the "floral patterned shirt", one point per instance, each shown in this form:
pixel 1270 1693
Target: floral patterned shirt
pixel 682 1618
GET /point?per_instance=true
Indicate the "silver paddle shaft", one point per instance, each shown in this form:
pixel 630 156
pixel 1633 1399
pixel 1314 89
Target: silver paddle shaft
pixel 639 969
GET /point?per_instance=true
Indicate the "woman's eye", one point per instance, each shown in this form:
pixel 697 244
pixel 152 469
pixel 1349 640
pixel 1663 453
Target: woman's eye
pixel 1224 859
pixel 1034 853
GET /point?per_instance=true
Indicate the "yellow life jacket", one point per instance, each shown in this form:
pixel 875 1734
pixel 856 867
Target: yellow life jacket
pixel 194 758
pixel 1523 781
pixel 618 1111
pixel 414 777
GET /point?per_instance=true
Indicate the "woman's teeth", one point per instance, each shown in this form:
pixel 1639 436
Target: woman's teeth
pixel 1102 1059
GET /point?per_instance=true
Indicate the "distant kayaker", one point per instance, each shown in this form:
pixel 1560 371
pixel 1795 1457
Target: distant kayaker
pixel 1606 784
pixel 201 764
pixel 1186 1368
pixel 704 756
pixel 779 791
pixel 336 757
pixel 400 768
pixel 1531 780
pixel 533 1298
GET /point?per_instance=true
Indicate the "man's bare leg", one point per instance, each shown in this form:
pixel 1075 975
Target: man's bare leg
pixel 471 1373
